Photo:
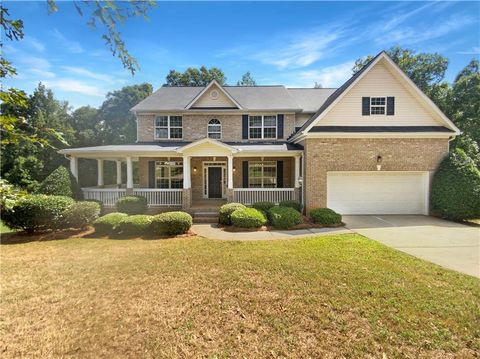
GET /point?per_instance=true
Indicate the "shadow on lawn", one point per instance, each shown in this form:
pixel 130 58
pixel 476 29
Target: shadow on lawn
pixel 23 237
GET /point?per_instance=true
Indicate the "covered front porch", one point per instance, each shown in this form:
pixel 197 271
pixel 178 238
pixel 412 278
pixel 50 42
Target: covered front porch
pixel 202 174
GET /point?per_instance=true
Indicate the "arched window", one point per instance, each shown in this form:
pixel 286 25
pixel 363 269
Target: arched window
pixel 214 129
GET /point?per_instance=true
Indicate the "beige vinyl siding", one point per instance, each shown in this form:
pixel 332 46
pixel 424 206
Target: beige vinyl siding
pixel 205 100
pixel 379 82
pixel 301 118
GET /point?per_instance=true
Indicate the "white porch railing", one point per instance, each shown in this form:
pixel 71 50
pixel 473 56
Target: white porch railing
pixel 253 195
pixel 155 197
pixel 108 196
pixel 160 197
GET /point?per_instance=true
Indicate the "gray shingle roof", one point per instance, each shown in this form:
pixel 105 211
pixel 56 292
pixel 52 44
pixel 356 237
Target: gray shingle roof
pixel 249 97
pixel 310 99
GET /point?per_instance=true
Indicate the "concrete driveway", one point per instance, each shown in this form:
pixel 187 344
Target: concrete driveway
pixel 451 245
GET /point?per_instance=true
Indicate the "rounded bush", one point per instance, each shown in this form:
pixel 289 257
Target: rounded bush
pixel 226 211
pixel 39 212
pixel 81 214
pixel 456 188
pixel 100 203
pixel 325 216
pixel 171 223
pixel 108 223
pixel 284 217
pixel 248 218
pixel 292 204
pixel 136 225
pixel 263 206
pixel 132 205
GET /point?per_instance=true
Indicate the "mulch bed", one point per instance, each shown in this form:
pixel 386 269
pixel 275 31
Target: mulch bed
pixel 307 223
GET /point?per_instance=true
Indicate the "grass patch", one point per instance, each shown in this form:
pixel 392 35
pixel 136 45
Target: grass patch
pixel 4 229
pixel 330 296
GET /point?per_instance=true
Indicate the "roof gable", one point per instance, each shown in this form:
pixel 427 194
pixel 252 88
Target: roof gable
pixel 213 96
pixel 342 91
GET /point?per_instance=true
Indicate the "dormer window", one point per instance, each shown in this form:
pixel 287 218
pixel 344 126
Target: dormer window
pixel 378 105
pixel 214 129
pixel 168 127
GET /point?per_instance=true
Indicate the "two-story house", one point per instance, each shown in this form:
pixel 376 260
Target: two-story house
pixel 368 147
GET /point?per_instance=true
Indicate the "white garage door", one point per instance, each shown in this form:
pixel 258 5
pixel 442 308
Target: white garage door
pixel 378 192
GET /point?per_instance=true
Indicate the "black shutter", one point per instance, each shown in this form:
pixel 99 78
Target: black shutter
pixel 279 126
pixel 245 174
pixel 279 174
pixel 151 174
pixel 390 106
pixel 245 127
pixel 365 106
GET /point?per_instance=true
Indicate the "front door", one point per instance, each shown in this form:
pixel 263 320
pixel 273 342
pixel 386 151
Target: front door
pixel 214 182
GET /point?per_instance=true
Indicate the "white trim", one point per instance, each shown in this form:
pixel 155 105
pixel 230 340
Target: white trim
pixel 262 127
pixel 383 55
pixel 213 82
pixel 207 140
pixel 205 166
pixel 384 106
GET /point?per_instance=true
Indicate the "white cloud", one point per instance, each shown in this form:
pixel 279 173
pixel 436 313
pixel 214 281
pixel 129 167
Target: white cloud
pixel 34 43
pixel 87 73
pixel 332 76
pixel 42 73
pixel 71 46
pixel 35 62
pixel 71 85
pixel 473 51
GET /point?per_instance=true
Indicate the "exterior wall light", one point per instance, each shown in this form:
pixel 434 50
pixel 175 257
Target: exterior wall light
pixel 234 169
pixel 194 169
pixel 379 163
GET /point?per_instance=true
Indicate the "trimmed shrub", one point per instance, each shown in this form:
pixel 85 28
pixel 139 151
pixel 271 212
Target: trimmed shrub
pixel 284 217
pixel 292 204
pixel 100 203
pixel 171 223
pixel 81 214
pixel 136 225
pixel 57 183
pixel 108 223
pixel 226 211
pixel 132 205
pixel 456 188
pixel 39 212
pixel 248 218
pixel 263 206
pixel 325 216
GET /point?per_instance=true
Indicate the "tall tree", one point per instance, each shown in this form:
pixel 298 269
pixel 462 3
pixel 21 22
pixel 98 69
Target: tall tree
pixel 86 124
pixel 247 80
pixel 466 100
pixel 195 77
pixel 118 122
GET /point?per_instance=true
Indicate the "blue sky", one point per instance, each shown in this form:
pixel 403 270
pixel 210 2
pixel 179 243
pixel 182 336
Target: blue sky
pixel 290 43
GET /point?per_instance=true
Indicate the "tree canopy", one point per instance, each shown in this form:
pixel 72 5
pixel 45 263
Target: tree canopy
pixel 195 77
pixel 247 80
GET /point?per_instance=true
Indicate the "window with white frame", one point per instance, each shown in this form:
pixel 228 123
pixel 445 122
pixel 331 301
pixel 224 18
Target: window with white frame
pixel 262 174
pixel 214 129
pixel 378 105
pixel 168 127
pixel 262 126
pixel 168 174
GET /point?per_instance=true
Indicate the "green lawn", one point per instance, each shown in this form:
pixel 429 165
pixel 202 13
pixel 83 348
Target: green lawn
pixel 4 228
pixel 325 297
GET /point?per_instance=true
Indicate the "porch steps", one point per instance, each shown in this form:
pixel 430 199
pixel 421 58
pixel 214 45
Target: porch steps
pixel 205 216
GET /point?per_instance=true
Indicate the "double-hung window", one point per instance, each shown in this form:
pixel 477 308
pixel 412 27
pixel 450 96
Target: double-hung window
pixel 378 105
pixel 214 129
pixel 262 127
pixel 262 174
pixel 168 174
pixel 167 127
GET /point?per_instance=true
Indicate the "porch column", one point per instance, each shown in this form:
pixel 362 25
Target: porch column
pixel 297 171
pixel 119 172
pixel 74 166
pixel 129 173
pixel 230 172
pixel 187 181
pixel 100 173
